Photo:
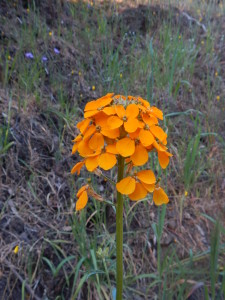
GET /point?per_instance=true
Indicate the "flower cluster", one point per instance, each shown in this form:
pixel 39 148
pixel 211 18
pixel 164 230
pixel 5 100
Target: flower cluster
pixel 113 126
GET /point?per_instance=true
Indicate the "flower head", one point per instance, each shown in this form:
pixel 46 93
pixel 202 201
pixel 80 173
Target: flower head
pixel 56 50
pixel 29 55
pixel 16 249
pixel 44 58
pixel 117 126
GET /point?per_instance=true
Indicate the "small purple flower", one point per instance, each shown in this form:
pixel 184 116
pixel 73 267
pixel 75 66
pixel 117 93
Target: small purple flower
pixel 44 58
pixel 56 50
pixel 29 55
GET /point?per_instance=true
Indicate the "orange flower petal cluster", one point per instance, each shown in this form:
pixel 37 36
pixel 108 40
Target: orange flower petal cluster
pixel 127 126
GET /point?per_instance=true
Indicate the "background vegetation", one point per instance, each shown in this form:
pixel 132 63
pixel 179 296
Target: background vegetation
pixel 54 57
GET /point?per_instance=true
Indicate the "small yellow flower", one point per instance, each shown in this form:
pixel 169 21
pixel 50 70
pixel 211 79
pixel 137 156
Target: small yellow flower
pixel 216 74
pixel 72 72
pixel 28 10
pixel 9 57
pixel 200 19
pixel 202 42
pixel 185 193
pixel 121 75
pixel 179 37
pixel 89 179
pixel 79 73
pixel 218 98
pixel 81 95
pixel 50 33
pixel 93 87
pixel 16 249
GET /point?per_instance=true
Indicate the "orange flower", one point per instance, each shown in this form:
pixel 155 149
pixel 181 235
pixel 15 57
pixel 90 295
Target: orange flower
pixel 138 186
pixel 127 116
pixel 82 197
pixel 115 126
pixel 164 158
pixel 160 197
pixel 94 107
pixel 140 155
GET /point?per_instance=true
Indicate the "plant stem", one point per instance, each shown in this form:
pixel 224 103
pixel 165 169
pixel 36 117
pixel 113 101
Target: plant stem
pixel 119 234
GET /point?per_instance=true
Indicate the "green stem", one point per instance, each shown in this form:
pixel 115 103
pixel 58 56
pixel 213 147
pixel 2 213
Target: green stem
pixel 119 234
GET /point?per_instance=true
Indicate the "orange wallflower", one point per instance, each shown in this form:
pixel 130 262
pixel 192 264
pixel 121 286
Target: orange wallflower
pixel 113 126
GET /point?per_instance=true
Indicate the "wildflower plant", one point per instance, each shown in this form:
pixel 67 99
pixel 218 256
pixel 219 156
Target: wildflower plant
pixel 119 131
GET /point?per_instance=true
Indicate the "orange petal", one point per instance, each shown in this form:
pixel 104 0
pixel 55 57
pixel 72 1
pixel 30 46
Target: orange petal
pixel 95 104
pixel 78 138
pixel 144 102
pixel 83 125
pixel 91 129
pixel 114 122
pixel 156 112
pixel 104 101
pixel 126 186
pixel 125 147
pixel 109 110
pixel 164 142
pixel 140 156
pixel 96 141
pixel 141 124
pixel 120 111
pixel 77 168
pixel 163 159
pixel 146 137
pixel 92 105
pixel 146 176
pixel 97 152
pixel 131 125
pixel 141 107
pixel 101 120
pixel 160 197
pixel 91 113
pixel 83 188
pixel 139 193
pixel 134 135
pixel 158 132
pixel 91 163
pixel 74 149
pixel 111 148
pixel 107 161
pixel 112 134
pixel 132 111
pixel 84 149
pixel 149 187
pixel 149 120
pixel 82 201
pixel 159 147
